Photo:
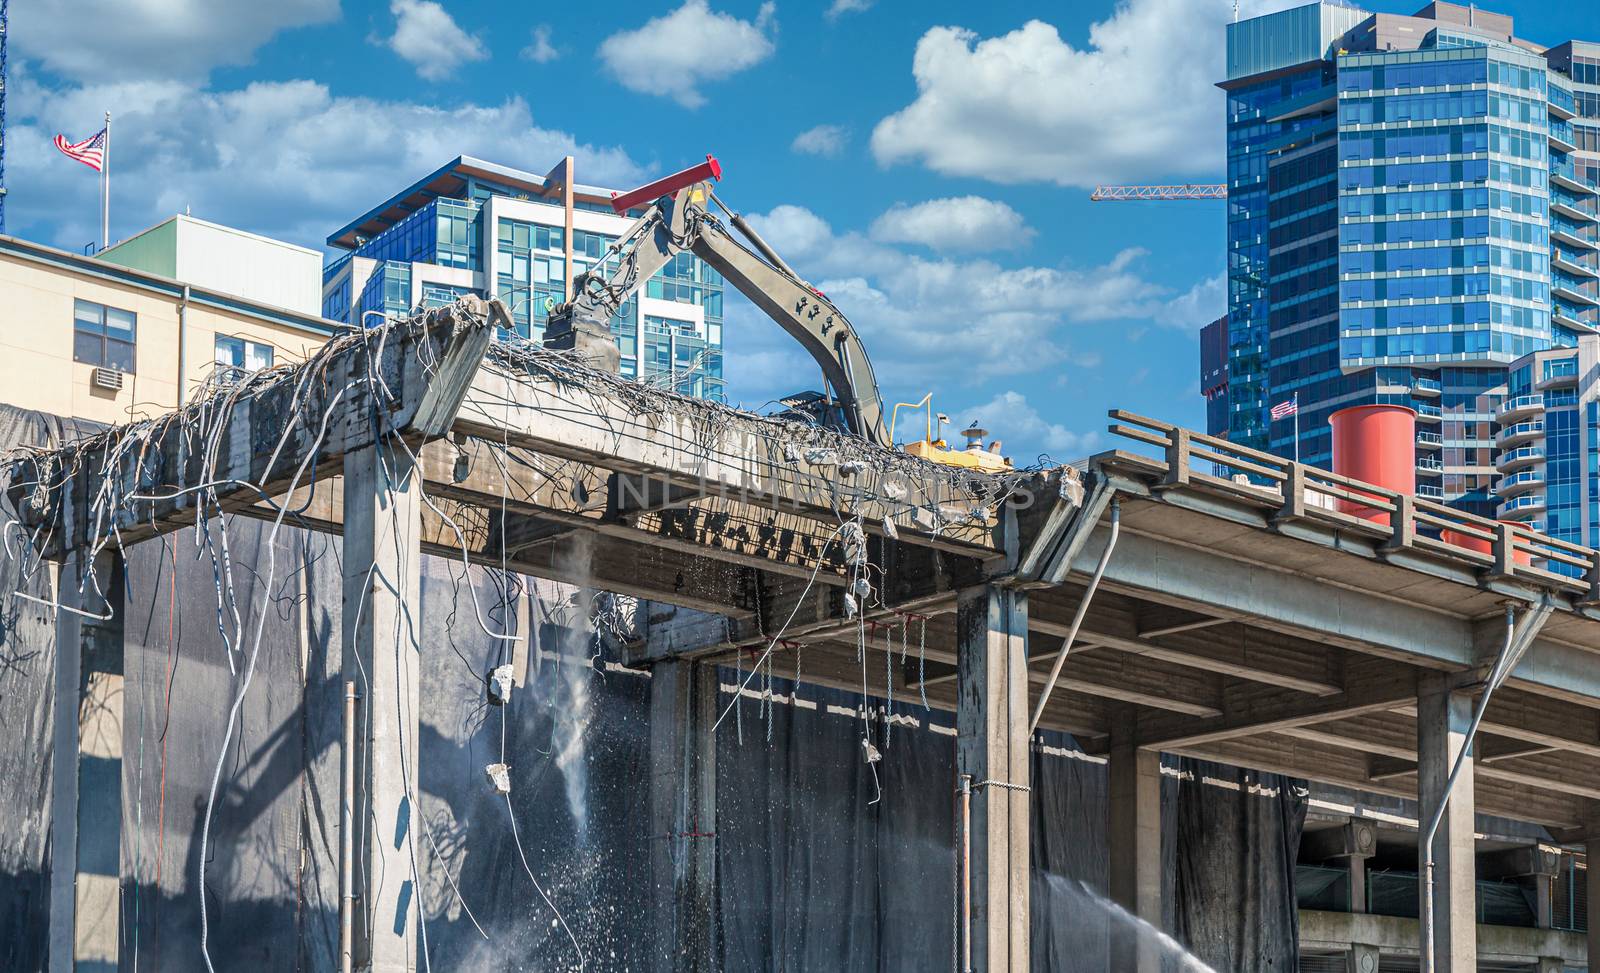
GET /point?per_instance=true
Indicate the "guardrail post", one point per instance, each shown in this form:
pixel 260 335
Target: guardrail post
pixel 1592 578
pixel 1402 522
pixel 1294 494
pixel 1505 550
pixel 1177 459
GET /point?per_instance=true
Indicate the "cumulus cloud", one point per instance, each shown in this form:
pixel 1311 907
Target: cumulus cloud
pixel 1198 306
pixel 840 7
pixel 139 39
pixel 1137 103
pixel 823 140
pixel 427 36
pixel 539 49
pixel 1012 419
pixel 674 54
pixel 959 223
pixel 956 320
pixel 288 159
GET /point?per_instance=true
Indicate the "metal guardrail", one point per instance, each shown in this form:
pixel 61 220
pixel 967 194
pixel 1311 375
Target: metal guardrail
pixel 1401 521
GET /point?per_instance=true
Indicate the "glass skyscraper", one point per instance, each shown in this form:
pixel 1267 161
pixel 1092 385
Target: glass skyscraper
pixel 473 227
pixel 1410 212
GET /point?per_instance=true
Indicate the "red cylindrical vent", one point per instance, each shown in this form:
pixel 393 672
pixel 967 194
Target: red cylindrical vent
pixel 1483 545
pixel 1378 444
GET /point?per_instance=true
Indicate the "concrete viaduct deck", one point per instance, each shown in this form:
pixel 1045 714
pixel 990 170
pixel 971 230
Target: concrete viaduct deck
pixel 1253 622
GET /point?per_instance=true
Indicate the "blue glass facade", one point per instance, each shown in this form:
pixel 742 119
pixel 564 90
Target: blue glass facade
pixel 1410 212
pixel 499 235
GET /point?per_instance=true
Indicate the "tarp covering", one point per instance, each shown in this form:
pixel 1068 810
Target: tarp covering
pixel 27 712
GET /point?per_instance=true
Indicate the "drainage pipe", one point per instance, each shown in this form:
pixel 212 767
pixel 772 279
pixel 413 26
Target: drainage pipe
pixel 1077 620
pixel 347 833
pixel 1517 643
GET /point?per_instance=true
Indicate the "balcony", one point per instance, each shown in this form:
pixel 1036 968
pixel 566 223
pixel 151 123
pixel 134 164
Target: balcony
pixel 1526 505
pixel 1429 464
pixel 1566 234
pixel 1426 386
pixel 1565 176
pixel 1571 212
pixel 1428 413
pixel 1562 103
pixel 1429 440
pixel 1564 290
pixel 1522 456
pixel 1561 137
pixel 1564 377
pixel 1430 492
pixel 1519 482
pixel 1522 432
pixel 1566 265
pixel 1520 407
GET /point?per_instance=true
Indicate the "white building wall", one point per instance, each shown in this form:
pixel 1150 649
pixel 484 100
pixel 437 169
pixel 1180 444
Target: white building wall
pixel 254 267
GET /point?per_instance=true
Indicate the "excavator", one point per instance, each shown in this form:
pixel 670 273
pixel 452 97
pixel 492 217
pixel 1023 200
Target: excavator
pixel 679 218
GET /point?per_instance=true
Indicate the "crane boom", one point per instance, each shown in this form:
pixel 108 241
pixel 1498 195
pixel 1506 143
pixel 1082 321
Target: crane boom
pixel 680 221
pixel 1187 191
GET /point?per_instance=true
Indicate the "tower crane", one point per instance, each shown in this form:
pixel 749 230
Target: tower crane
pixel 1103 194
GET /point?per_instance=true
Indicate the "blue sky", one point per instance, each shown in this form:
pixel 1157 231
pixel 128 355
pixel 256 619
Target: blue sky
pixel 852 131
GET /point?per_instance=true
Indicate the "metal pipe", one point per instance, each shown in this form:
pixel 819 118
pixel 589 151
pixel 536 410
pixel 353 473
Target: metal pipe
pixel 754 237
pixel 1077 620
pixel 347 785
pixel 1516 644
pixel 183 361
pixel 966 873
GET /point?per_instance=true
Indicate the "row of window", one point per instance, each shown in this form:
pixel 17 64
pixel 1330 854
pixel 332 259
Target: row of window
pixel 1586 70
pixel 517 235
pixel 1456 257
pixel 1428 75
pixel 1413 108
pixel 1401 316
pixel 1588 103
pixel 1443 201
pixel 1436 344
pixel 1444 285
pixel 107 337
pixel 1445 140
pixel 1413 173
pixel 1444 228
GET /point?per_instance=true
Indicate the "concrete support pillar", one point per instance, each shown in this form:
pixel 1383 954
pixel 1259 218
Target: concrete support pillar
pixel 1592 884
pixel 1442 720
pixel 1550 964
pixel 1133 830
pixel 992 751
pixel 1362 959
pixel 683 814
pixel 382 571
pixel 1350 844
pixel 86 803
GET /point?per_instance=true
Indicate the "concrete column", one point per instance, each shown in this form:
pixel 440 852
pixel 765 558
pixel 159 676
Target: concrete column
pixel 1442 720
pixel 1351 844
pixel 1592 884
pixel 1362 959
pixel 1133 830
pixel 382 570
pixel 1550 964
pixel 683 813
pixel 992 750
pixel 86 803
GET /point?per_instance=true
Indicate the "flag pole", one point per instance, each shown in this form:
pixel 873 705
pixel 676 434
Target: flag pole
pixel 1297 425
pixel 105 188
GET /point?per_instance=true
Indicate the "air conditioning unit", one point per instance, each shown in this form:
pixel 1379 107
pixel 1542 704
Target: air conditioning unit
pixel 108 378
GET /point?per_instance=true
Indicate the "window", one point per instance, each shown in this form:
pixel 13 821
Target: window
pixel 102 336
pixel 242 355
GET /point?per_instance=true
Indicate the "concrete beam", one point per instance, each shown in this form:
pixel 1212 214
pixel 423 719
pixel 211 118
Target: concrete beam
pixel 86 798
pixel 992 754
pixel 382 575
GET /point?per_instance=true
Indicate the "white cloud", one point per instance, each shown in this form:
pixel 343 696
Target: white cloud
pixel 959 223
pixel 288 159
pixel 539 49
pixel 928 320
pixel 675 53
pixel 823 140
pixel 1023 431
pixel 427 36
pixel 1198 306
pixel 139 39
pixel 840 7
pixel 1138 103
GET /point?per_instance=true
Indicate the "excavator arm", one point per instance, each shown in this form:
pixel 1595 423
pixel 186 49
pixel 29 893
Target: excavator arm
pixel 680 221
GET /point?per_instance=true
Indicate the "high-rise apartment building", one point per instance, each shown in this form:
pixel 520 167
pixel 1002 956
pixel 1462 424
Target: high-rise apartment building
pixel 1412 208
pixel 476 227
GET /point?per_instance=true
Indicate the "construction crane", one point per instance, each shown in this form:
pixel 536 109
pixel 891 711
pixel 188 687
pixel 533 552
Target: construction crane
pixel 1103 194
pixel 679 219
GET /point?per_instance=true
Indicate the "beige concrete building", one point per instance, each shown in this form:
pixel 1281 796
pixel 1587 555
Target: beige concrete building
pixel 83 338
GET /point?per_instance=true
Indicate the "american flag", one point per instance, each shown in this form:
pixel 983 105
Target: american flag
pixel 91 151
pixel 1284 410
